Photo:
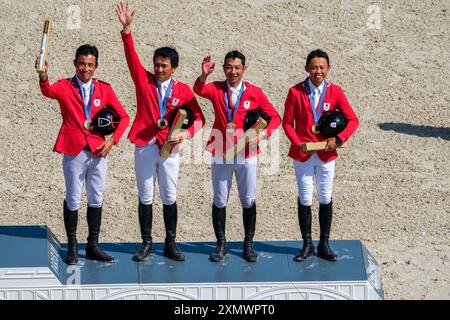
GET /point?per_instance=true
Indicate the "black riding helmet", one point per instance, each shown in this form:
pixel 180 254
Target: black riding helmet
pixel 253 116
pixel 189 121
pixel 331 123
pixel 105 121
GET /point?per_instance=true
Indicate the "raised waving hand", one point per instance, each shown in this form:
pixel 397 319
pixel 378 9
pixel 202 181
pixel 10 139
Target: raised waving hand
pixel 207 68
pixel 125 15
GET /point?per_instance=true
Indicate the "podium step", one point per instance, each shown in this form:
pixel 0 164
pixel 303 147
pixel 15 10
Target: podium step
pixel 32 267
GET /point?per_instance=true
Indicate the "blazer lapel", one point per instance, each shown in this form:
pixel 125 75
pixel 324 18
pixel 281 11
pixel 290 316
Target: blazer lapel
pixel 79 112
pixel 241 103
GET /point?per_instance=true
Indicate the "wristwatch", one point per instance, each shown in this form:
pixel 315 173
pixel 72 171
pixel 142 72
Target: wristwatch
pixel 338 141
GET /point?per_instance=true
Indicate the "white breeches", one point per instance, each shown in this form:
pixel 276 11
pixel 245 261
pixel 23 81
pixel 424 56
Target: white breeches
pixel 80 168
pixel 321 172
pixel 222 175
pixel 148 166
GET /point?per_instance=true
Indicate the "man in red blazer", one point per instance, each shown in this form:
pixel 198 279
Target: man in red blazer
pixel 232 99
pixel 85 150
pixel 159 96
pixel 303 108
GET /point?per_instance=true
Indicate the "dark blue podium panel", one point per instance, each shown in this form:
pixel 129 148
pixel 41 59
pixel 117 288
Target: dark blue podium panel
pixel 22 246
pixel 32 267
pixel 350 267
pixel 197 268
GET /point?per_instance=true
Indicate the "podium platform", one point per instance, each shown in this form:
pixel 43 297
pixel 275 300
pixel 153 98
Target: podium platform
pixel 32 268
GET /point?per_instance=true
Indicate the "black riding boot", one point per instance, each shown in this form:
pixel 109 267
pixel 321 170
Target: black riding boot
pixel 218 219
pixel 304 219
pixel 93 251
pixel 70 224
pixel 325 216
pixel 145 222
pixel 171 251
pixel 249 216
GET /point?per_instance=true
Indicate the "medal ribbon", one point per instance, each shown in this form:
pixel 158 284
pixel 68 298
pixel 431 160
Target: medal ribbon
pixel 316 112
pixel 162 103
pixel 87 108
pixel 227 97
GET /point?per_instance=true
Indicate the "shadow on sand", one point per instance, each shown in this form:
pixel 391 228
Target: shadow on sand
pixel 416 130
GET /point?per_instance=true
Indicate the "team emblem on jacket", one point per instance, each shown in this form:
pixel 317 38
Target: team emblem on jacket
pixel 175 102
pixel 326 106
pixel 246 104
pixel 97 102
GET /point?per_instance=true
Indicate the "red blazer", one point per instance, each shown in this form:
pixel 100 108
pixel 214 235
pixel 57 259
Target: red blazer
pixel 252 98
pixel 73 136
pixel 145 126
pixel 298 119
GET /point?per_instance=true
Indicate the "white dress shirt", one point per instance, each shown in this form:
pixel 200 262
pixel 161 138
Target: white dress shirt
pixel 316 92
pixel 164 86
pixel 235 91
pixel 85 90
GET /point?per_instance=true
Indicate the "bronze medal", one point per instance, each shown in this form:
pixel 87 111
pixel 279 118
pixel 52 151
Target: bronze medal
pixel 162 123
pixel 88 124
pixel 315 129
pixel 231 125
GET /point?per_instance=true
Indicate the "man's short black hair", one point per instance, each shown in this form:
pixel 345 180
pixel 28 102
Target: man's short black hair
pixel 168 53
pixel 317 54
pixel 233 55
pixel 85 50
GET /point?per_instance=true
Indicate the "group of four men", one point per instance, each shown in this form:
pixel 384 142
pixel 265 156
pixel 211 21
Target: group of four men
pixel 159 96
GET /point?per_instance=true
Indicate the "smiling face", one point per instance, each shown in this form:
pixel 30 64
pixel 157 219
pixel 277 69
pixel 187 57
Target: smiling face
pixel 162 68
pixel 318 69
pixel 234 71
pixel 85 66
